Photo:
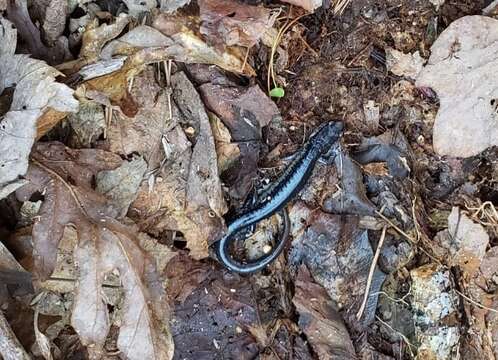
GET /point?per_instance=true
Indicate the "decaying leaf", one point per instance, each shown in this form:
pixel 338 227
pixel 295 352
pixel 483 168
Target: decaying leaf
pixel 38 101
pixel 319 319
pixel 104 245
pixel 187 193
pixel 338 255
pixel 227 23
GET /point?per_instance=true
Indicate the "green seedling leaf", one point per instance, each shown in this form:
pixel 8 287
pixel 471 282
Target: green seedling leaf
pixel 277 92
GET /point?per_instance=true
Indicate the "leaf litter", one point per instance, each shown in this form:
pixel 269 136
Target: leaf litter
pixel 135 128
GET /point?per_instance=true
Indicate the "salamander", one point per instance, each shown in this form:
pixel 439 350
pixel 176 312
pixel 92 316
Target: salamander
pixel 275 198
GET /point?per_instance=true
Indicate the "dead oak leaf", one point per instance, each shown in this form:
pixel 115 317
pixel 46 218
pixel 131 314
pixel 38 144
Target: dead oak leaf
pixel 104 245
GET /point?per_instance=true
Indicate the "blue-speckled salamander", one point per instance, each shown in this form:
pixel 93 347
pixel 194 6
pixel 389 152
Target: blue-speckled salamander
pixel 276 197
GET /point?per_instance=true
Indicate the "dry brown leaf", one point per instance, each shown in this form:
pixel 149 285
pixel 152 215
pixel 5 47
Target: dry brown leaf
pixel 120 185
pixel 104 245
pixel 172 37
pixel 227 151
pixel 204 185
pixel 142 133
pixel 320 320
pixel 228 23
pixel 187 193
pixel 38 100
pixel 95 37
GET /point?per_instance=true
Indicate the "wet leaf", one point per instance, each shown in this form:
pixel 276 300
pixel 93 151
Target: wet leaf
pixel 338 255
pixel 10 348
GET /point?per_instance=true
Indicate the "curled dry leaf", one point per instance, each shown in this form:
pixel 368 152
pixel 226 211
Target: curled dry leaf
pixel 230 23
pixel 104 245
pixel 95 37
pixel 170 37
pixel 38 101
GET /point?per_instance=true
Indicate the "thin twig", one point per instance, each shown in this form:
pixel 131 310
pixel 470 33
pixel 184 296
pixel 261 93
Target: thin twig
pixel 69 187
pixel 405 339
pixel 408 237
pixel 280 34
pixel 475 302
pixel 371 272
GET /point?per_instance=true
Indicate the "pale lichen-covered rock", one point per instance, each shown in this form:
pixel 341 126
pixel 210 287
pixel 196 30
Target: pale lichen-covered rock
pixel 435 306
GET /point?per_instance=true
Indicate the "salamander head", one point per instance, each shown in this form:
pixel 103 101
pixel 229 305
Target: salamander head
pixel 327 134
